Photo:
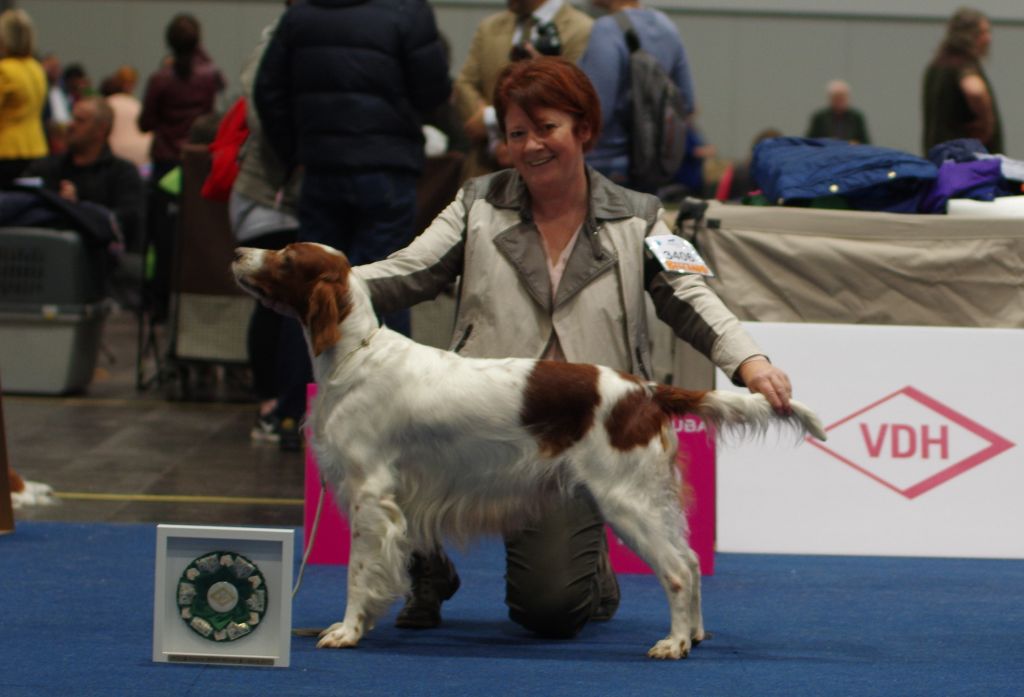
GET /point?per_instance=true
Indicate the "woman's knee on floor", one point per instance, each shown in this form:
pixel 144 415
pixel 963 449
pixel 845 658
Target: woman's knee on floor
pixel 555 612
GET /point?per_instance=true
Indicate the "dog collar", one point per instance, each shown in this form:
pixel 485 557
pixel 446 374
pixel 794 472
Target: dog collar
pixel 362 344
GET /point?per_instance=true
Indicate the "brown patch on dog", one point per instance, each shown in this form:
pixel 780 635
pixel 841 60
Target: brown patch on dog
pixel 675 400
pixel 635 420
pixel 559 403
pixel 641 415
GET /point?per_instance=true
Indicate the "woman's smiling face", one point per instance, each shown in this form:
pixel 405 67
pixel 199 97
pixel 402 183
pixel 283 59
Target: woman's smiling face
pixel 547 149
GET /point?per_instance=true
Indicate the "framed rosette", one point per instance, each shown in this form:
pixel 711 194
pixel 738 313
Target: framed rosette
pixel 223 595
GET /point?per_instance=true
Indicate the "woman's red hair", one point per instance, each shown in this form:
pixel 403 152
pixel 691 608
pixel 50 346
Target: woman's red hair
pixel 549 82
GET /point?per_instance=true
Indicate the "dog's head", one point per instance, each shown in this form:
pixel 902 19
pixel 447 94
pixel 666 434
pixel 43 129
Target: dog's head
pixel 305 280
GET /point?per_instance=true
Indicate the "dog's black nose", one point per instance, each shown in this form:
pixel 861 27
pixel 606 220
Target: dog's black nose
pixel 239 254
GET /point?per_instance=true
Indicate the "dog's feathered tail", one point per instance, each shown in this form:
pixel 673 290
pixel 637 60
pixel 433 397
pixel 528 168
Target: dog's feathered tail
pixel 734 411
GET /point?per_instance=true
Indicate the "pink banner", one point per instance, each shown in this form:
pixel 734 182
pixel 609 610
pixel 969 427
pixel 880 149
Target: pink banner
pixel 332 539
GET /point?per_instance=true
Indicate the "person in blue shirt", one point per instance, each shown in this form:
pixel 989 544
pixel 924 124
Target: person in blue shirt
pixel 606 63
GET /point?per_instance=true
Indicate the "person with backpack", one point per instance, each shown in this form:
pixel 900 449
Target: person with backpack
pixel 637 62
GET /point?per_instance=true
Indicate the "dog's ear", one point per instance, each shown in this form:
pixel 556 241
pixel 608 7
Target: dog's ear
pixel 324 315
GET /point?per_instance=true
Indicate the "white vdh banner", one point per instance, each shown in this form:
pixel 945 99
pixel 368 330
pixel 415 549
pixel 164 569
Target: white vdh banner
pixel 925 449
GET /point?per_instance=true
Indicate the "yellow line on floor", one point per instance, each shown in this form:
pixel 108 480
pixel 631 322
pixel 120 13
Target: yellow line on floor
pixel 172 498
pixel 139 403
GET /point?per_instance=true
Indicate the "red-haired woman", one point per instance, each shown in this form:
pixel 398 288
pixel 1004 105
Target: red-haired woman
pixel 552 264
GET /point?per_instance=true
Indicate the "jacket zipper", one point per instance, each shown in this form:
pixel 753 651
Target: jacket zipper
pixel 640 362
pixel 465 337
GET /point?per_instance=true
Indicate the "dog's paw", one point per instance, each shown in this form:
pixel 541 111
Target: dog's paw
pixel 670 648
pixel 339 636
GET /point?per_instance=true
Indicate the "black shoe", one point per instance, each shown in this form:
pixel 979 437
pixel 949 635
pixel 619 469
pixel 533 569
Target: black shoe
pixel 607 588
pixel 434 580
pixel 289 436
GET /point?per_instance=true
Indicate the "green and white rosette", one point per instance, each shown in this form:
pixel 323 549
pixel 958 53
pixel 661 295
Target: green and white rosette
pixel 222 596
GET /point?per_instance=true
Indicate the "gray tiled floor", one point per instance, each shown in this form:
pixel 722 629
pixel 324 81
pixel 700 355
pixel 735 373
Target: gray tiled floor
pixel 117 454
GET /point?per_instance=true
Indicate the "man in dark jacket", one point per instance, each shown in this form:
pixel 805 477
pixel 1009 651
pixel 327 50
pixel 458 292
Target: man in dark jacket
pixel 89 171
pixel 340 92
pixel 839 120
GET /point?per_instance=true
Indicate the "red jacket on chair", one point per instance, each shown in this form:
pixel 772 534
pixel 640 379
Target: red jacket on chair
pixel 231 135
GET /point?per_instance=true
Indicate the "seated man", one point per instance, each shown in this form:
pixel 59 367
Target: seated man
pixel 89 171
pixel 839 119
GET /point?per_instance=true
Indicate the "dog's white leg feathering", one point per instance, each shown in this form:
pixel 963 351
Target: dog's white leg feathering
pixel 377 568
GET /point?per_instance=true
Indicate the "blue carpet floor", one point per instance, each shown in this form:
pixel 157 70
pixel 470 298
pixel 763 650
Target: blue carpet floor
pixel 77 620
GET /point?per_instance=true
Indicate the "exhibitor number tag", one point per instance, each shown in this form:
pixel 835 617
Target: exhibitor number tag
pixel 677 255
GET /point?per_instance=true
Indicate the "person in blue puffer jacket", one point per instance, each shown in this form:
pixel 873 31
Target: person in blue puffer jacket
pixel 340 92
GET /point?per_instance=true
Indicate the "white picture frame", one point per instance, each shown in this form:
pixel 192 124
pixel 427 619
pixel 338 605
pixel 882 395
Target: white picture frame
pixel 270 550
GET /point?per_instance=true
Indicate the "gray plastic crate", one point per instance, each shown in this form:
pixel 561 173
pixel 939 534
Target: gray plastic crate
pixel 51 311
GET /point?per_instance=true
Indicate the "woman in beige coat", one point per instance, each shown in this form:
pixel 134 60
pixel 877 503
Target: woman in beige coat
pixel 552 264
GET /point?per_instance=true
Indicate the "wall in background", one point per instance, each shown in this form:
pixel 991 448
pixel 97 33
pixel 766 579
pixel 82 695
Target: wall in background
pixel 753 68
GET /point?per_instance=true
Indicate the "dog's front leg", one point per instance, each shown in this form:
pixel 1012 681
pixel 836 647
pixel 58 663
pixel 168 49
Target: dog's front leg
pixel 347 633
pixel 377 568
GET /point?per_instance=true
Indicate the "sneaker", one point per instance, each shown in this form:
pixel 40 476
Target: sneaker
pixel 289 436
pixel 434 580
pixel 266 429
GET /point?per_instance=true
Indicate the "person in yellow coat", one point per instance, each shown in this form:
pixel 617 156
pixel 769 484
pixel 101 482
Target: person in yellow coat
pixel 22 96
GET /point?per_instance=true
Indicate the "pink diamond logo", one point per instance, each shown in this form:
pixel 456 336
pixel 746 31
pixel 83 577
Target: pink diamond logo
pixel 910 442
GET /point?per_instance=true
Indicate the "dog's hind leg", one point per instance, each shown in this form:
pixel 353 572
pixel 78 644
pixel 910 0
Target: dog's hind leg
pixel 377 567
pixel 652 525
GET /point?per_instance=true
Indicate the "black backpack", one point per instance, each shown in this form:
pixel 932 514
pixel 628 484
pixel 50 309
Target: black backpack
pixel 657 128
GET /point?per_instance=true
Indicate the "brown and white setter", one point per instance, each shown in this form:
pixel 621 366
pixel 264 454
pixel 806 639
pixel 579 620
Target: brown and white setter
pixel 420 444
